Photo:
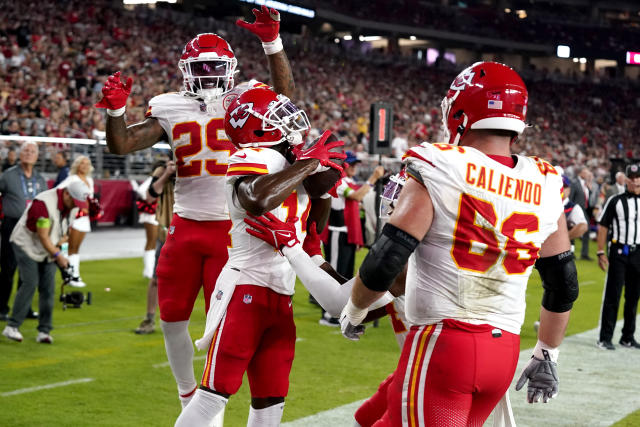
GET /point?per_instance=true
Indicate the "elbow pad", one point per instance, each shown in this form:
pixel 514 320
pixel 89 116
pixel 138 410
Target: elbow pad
pixel 559 280
pixel 387 258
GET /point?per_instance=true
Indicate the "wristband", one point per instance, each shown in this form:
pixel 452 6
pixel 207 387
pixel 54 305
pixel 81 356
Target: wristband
pixel 541 348
pixel 56 255
pixel 600 253
pixel 354 314
pixel 116 113
pixel 273 47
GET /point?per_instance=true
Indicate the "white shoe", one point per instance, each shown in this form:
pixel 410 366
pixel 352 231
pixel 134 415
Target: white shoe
pixel 12 333
pixel 44 338
pixel 77 282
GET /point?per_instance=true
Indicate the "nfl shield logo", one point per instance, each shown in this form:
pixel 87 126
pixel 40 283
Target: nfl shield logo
pixel 219 295
pixel 247 299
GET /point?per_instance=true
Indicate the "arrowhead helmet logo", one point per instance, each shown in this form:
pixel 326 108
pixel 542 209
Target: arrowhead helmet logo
pixel 240 114
pixel 463 80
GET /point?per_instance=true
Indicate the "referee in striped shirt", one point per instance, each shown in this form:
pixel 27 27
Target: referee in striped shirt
pixel 619 223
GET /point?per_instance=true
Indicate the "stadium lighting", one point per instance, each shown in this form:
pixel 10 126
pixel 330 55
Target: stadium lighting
pixel 633 58
pixel 147 1
pixel 575 59
pixel 336 40
pixel 284 7
pixel 563 51
pixel 583 60
pixel 507 10
pixel 347 37
pixel 369 38
pixel 412 38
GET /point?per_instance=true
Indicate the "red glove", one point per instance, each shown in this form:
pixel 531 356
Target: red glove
pixel 267 25
pixel 273 231
pixel 311 244
pixel 322 151
pixel 115 93
pixel 95 210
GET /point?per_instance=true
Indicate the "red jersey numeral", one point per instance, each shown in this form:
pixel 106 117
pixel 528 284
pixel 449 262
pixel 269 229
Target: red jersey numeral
pixel 476 222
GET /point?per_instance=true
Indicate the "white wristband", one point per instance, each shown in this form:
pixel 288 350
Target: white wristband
pixel 553 352
pixel 326 196
pixel 273 47
pixel 116 113
pixel 354 314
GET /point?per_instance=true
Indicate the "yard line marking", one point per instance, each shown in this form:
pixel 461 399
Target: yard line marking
pixel 45 387
pixel 97 322
pixel 594 389
pixel 165 364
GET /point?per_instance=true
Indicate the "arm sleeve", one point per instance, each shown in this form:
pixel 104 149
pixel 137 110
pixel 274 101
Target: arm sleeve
pixel 325 289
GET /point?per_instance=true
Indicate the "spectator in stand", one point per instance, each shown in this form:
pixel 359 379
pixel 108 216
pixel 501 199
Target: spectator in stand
pixel 80 171
pixel 36 239
pixel 399 144
pixel 19 185
pixel 10 161
pixel 60 160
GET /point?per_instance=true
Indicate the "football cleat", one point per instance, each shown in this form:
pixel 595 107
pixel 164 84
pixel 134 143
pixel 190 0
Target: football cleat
pixel 76 282
pixel 147 326
pixel 44 338
pixel 12 333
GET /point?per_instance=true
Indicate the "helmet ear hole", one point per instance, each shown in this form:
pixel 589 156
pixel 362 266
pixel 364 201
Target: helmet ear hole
pixel 259 133
pixel 458 114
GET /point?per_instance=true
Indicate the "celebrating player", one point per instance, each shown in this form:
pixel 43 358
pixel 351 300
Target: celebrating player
pixel 250 323
pixel 477 218
pixel 192 121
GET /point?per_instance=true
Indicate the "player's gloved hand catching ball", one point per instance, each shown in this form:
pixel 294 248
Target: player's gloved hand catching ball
pixel 542 374
pixel 115 94
pixel 272 230
pixel 321 151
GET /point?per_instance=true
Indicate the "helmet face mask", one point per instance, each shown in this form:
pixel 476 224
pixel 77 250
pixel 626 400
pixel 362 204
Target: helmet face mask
pixel 208 66
pixel 261 118
pixel 487 95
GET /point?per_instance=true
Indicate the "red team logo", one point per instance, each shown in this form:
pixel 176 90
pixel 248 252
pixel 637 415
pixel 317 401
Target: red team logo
pixel 239 116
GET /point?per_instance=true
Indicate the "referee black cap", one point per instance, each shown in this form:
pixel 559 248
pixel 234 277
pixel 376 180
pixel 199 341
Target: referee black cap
pixel 632 170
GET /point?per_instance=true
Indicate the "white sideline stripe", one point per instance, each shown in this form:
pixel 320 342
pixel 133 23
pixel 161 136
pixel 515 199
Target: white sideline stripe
pixel 45 387
pixel 165 364
pixel 597 388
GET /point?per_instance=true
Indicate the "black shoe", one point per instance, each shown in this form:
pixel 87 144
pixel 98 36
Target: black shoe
pixel 605 345
pixel 629 343
pixel 32 314
pixel 586 258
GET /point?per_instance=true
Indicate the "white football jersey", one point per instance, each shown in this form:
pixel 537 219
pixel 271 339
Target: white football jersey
pixel 489 223
pixel 201 150
pixel 257 261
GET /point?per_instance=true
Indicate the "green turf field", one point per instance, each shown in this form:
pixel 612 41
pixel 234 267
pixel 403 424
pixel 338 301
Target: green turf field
pixel 123 379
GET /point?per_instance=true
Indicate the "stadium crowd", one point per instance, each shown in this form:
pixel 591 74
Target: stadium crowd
pixel 52 76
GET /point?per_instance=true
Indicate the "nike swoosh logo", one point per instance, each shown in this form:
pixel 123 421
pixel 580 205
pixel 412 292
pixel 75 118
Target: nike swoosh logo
pixel 242 156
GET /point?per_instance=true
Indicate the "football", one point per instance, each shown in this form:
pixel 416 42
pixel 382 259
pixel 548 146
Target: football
pixel 319 183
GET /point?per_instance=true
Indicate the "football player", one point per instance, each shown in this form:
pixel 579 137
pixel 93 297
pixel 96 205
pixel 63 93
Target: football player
pixel 472 221
pixel 250 322
pixel 192 121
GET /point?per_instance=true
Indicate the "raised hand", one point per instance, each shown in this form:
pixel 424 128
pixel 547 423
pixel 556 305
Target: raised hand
pixel 266 26
pixel 272 230
pixel 115 92
pixel 321 151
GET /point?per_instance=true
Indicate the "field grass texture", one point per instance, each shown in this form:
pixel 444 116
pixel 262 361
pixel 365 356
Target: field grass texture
pixel 114 377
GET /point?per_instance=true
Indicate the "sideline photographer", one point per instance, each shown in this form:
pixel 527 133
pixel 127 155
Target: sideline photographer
pixel 35 240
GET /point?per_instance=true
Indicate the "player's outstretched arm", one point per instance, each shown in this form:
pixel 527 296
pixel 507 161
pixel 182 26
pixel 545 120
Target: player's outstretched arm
pixel 120 138
pixel 267 28
pixel 409 223
pixel 557 270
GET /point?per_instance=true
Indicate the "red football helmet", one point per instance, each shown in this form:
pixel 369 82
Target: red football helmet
pixel 208 65
pixel 487 95
pixel 261 118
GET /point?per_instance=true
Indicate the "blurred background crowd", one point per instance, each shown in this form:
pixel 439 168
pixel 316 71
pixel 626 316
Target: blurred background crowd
pixel 55 56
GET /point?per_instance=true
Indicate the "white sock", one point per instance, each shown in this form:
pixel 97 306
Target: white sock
pixel 267 417
pixel 74 262
pixel 149 260
pixel 218 420
pixel 202 409
pixel 179 346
